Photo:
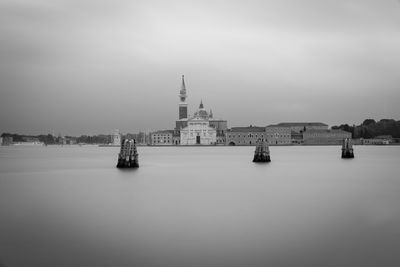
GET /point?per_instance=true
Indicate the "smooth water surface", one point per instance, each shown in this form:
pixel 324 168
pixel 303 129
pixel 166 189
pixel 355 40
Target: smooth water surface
pixel 199 206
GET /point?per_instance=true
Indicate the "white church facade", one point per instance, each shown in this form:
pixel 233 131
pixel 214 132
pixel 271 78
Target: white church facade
pixel 198 130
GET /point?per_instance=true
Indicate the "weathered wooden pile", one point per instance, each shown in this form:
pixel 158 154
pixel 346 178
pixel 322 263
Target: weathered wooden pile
pixel 261 154
pixel 347 149
pixel 128 156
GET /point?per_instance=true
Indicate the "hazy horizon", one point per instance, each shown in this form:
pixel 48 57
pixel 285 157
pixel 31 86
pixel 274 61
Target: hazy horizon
pixel 89 67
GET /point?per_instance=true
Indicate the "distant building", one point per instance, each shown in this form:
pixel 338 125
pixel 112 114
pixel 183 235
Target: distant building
pixel 278 135
pixel 388 138
pixel 162 137
pixel 141 138
pixel 198 130
pixel 297 138
pixel 244 136
pixel 221 126
pixel 182 114
pixel 183 106
pixel 375 141
pixel 176 137
pixel 273 134
pixel 324 137
pixel 303 126
pixel 116 138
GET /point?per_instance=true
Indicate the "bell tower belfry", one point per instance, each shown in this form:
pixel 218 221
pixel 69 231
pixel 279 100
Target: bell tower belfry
pixel 183 106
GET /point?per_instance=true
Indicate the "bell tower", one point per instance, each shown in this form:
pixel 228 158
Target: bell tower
pixel 183 110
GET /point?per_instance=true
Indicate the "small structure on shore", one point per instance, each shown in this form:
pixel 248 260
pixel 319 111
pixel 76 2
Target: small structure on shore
pixel 347 149
pixel 128 156
pixel 261 154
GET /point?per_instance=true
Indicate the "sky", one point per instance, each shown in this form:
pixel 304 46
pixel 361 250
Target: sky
pixel 88 67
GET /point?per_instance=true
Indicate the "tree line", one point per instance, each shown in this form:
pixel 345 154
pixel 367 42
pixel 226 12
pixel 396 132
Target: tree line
pixel 371 128
pixel 52 140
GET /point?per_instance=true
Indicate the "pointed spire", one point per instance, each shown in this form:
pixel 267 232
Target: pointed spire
pixel 183 87
pixel 201 104
pixel 182 92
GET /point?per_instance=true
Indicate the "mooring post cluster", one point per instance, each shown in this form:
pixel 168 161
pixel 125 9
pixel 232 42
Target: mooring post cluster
pixel 261 154
pixel 347 149
pixel 128 156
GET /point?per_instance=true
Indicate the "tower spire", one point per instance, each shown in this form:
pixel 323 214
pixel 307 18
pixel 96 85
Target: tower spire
pixel 183 87
pixel 201 104
pixel 183 114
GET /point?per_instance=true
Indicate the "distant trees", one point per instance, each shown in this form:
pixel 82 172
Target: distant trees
pixel 370 128
pixel 50 139
pixel 368 122
pixel 47 139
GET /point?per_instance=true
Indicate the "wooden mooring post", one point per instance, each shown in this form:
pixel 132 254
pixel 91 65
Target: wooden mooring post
pixel 347 149
pixel 128 156
pixel 261 154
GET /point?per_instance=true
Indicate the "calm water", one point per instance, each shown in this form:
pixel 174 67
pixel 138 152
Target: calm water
pixel 199 206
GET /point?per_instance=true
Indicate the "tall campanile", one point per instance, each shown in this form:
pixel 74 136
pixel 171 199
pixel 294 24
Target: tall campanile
pixel 183 109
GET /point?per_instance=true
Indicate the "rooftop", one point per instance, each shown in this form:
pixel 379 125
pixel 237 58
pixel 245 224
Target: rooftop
pixel 248 129
pixel 289 124
pixel 163 132
pixel 325 131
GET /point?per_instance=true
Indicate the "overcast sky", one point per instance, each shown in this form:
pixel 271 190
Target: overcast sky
pixel 88 67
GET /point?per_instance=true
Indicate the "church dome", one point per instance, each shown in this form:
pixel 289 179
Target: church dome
pixel 201 112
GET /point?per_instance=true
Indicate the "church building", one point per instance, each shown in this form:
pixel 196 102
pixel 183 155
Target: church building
pixel 198 130
pixel 201 128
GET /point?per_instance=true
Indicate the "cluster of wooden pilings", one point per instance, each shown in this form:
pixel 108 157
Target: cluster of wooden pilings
pixel 261 154
pixel 347 149
pixel 128 156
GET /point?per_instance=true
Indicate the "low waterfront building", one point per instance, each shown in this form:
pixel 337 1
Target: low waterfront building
pixel 116 138
pixel 162 137
pixel 273 134
pixel 297 138
pixel 387 138
pixel 374 141
pixel 278 135
pixel 303 126
pixel 244 136
pixel 221 126
pixel 176 137
pixel 325 137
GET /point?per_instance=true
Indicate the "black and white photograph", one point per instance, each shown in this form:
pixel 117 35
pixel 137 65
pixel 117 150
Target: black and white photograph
pixel 172 133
